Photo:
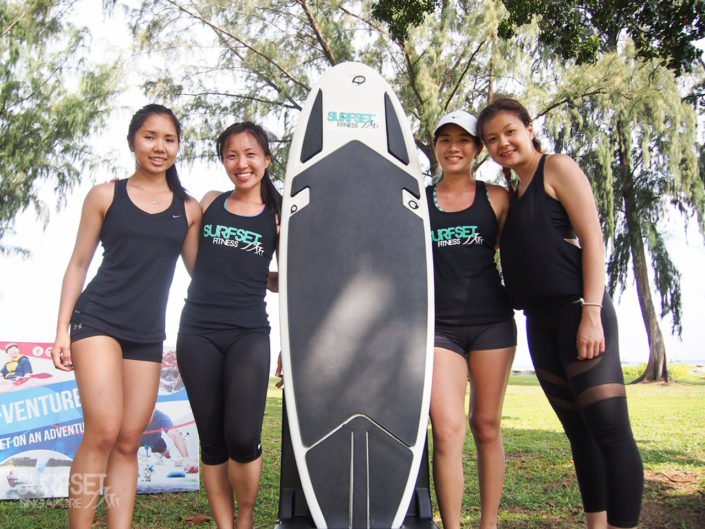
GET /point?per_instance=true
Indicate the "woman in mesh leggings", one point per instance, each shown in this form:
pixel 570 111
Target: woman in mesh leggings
pixel 553 264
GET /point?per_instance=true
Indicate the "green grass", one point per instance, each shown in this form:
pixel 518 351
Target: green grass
pixel 540 489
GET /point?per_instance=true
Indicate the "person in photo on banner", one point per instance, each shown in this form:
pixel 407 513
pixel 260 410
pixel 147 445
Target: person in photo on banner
pixel 475 333
pixel 160 424
pixel 223 343
pixel 111 334
pixel 553 231
pixel 17 365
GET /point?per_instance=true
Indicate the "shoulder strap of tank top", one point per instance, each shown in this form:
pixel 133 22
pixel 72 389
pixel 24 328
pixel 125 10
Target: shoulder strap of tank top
pixel 482 190
pixel 121 186
pixel 536 186
pixel 219 202
pixel 539 169
pixel 120 192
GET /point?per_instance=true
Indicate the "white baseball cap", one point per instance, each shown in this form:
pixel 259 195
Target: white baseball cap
pixel 463 119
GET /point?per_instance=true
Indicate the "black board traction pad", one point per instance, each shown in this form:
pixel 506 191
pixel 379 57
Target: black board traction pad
pixel 356 303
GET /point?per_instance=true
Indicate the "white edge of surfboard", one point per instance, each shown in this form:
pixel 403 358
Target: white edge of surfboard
pixel 294 167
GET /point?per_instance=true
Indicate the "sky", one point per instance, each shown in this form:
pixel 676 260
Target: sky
pixel 30 288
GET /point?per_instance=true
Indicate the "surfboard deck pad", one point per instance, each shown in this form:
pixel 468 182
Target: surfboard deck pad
pixel 293 510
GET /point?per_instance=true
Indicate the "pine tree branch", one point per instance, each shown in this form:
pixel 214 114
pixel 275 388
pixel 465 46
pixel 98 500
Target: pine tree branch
pixel 377 28
pixel 254 50
pixel 264 101
pixel 327 51
pixel 569 101
pixel 13 24
pixel 461 77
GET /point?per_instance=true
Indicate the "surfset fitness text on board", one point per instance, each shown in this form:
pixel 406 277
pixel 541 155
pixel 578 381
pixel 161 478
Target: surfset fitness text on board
pixel 353 120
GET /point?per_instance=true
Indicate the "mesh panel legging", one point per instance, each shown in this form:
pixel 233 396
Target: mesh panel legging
pixel 226 375
pixel 589 398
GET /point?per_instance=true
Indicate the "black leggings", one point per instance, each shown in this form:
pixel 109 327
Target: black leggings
pixel 589 398
pixel 226 374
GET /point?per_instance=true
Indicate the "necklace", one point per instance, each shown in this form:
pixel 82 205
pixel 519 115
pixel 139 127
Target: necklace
pixel 155 202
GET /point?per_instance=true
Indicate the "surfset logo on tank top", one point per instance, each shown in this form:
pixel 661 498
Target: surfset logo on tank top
pixel 453 236
pixel 353 120
pixel 240 238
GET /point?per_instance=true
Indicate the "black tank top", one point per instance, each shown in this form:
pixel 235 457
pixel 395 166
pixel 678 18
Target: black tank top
pixel 127 298
pixel 468 289
pixel 541 270
pixel 229 281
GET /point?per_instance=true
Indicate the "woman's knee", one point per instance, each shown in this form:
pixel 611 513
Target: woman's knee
pixel 244 450
pixel 485 430
pixel 448 435
pixel 128 443
pixel 101 437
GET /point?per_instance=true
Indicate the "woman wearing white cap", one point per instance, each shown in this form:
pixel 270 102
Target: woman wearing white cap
pixel 475 333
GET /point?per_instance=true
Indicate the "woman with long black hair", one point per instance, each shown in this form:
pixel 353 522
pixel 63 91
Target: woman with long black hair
pixel 117 324
pixel 223 344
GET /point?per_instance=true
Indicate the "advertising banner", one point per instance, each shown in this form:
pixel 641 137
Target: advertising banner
pixel 41 426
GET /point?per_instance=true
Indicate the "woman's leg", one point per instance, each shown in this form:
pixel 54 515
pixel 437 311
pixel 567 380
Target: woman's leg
pixel 98 368
pixel 600 395
pixel 220 494
pixel 246 378
pixel 140 380
pixel 201 364
pixel 489 374
pixel 245 478
pixel 589 398
pixel 450 381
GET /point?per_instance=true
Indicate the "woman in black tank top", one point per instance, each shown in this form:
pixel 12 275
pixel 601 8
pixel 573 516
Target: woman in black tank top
pixel 117 323
pixel 223 345
pixel 559 281
pixel 475 335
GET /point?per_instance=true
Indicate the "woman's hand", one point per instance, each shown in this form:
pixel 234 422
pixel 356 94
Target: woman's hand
pixel 273 281
pixel 61 352
pixel 591 337
pixel 278 372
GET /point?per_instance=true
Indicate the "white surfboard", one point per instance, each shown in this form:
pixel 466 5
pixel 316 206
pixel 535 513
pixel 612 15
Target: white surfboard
pixel 356 300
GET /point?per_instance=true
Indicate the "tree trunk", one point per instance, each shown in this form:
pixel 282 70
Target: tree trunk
pixel 657 366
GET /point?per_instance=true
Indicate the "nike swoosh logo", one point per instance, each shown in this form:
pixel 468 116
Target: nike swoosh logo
pixel 175 216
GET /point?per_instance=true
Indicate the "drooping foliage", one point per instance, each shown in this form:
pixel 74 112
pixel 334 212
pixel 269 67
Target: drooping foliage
pixel 51 102
pixel 619 112
pixel 259 60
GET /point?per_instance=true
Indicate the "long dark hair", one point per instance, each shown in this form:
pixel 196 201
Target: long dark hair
pixel 138 119
pixel 497 106
pixel 270 196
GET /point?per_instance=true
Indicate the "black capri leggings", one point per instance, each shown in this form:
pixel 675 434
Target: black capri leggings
pixel 589 398
pixel 226 374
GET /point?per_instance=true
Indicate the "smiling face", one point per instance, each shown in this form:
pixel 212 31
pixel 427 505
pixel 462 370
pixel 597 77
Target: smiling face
pixel 13 352
pixel 155 144
pixel 455 150
pixel 245 161
pixel 508 140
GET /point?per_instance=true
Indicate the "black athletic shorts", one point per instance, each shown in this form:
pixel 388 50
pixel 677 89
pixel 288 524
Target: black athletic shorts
pixel 466 338
pixel 150 352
